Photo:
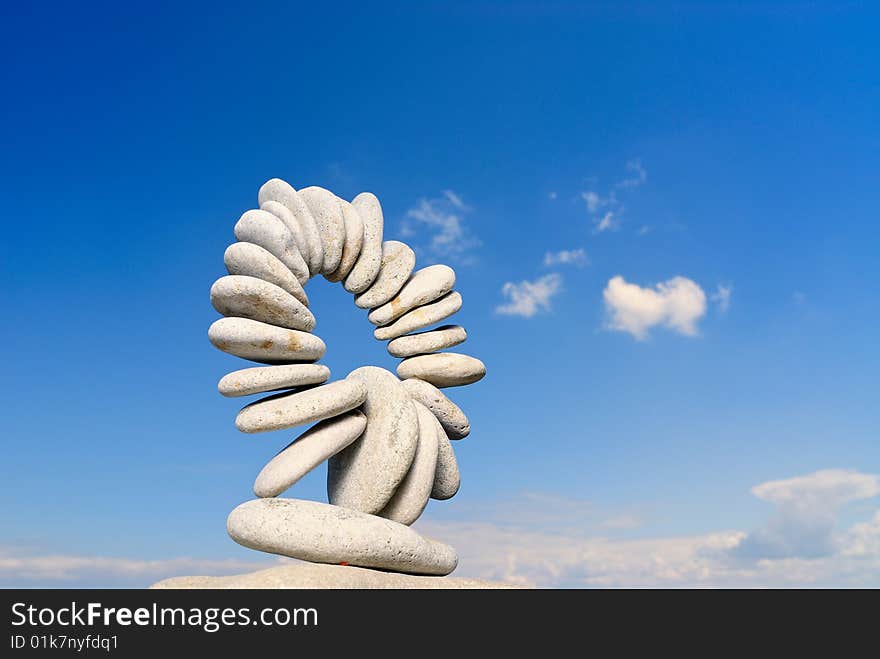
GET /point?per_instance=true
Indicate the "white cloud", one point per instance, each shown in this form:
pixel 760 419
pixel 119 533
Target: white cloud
pixel 553 560
pixel 443 221
pixel 829 487
pixel 552 552
pixel 610 219
pixel 552 194
pixel 807 508
pixel 594 201
pixel 454 199
pixel 529 297
pixel 18 569
pixel 721 297
pixel 548 540
pixel 677 304
pixel 639 175
pixel 576 257
pixel 607 222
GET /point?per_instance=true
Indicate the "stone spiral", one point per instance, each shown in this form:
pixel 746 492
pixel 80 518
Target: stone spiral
pixel 386 436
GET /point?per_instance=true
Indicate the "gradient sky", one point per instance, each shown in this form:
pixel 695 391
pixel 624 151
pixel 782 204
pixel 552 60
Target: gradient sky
pixel 719 429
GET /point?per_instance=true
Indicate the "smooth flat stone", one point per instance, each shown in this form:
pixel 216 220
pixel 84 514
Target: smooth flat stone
pixel 293 225
pixel 260 342
pixel 354 240
pixel 365 475
pixel 424 286
pixel 249 297
pixel 307 451
pixel 412 495
pixel 398 261
pixel 327 212
pixel 321 533
pixel 288 410
pixel 366 268
pixel 264 229
pixel 281 191
pixel 314 576
pixel 443 369
pixel 254 261
pixel 450 416
pixel 420 317
pixel 425 342
pixel 259 379
pixel 447 478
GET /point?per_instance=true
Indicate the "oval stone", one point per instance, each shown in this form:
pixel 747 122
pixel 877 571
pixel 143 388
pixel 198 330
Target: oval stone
pixel 443 369
pixel 254 261
pixel 307 451
pixel 366 268
pixel 281 191
pixel 327 212
pixel 321 533
pixel 354 240
pixel 425 342
pixel 421 317
pixel 288 410
pixel 267 231
pixel 261 342
pixel 259 379
pixel 425 285
pixel 249 297
pixel 447 479
pixel 412 495
pixel 284 214
pixel 365 475
pixel 398 261
pixel 451 418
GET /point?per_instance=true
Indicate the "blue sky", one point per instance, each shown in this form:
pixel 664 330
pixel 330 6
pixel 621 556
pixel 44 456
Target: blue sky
pixel 609 171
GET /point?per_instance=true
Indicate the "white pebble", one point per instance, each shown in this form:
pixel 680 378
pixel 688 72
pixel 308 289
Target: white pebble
pixel 412 494
pixel 288 410
pixel 421 317
pixel 307 451
pixel 366 268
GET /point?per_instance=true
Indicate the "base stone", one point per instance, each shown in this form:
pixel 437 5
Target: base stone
pixel 319 576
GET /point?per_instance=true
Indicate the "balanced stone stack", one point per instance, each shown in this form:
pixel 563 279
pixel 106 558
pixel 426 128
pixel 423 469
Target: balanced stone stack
pixel 386 436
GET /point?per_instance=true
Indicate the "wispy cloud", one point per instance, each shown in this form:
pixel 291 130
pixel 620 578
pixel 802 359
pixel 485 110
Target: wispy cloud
pixel 441 221
pixel 639 175
pixel 545 554
pixel 20 569
pixel 527 298
pixel 721 297
pixel 575 257
pixel 678 304
pixel 454 199
pixel 593 200
pixel 606 210
pixel 608 222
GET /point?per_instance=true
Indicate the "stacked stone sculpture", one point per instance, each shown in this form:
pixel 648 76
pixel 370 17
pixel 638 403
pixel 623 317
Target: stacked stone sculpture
pixel 386 436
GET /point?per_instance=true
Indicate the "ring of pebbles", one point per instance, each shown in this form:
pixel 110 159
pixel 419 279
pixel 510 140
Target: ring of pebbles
pixel 386 436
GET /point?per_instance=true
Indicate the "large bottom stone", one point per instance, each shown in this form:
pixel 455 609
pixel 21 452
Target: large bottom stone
pixel 323 533
pixel 316 576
